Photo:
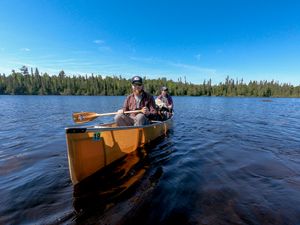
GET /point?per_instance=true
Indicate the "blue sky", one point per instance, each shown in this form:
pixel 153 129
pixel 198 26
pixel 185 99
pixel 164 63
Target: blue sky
pixel 253 40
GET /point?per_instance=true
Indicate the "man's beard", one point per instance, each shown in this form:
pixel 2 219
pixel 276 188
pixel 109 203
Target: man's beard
pixel 138 91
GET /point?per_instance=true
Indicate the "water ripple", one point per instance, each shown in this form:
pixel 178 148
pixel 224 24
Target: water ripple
pixel 226 161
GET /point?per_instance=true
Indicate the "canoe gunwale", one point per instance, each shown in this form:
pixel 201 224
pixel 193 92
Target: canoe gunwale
pixel 105 127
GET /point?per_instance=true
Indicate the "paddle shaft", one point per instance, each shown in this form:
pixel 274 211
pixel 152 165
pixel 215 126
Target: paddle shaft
pixel 114 113
pixel 83 117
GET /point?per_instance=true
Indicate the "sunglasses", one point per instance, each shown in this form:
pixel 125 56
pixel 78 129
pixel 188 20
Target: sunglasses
pixel 136 85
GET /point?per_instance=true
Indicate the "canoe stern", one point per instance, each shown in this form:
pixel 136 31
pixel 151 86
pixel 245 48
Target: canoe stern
pixel 93 148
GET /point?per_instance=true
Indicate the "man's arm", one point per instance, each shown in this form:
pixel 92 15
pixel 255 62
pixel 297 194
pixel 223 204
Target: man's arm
pixel 152 107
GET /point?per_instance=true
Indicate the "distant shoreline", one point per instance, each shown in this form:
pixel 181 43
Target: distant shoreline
pixel 264 99
pixel 62 85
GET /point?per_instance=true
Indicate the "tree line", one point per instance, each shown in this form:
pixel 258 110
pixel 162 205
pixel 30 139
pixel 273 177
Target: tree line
pixel 36 83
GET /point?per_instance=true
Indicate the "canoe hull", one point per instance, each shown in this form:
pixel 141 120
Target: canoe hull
pixel 93 148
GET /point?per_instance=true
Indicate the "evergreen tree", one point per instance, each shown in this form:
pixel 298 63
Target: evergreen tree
pixel 43 84
pixel 24 70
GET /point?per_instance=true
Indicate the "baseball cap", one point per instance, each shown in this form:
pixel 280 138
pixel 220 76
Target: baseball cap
pixel 137 80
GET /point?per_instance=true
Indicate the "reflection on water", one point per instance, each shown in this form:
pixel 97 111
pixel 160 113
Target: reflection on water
pixel 226 161
pixel 119 184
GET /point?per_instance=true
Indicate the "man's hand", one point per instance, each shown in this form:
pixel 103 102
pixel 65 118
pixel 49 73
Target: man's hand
pixel 145 110
pixel 120 111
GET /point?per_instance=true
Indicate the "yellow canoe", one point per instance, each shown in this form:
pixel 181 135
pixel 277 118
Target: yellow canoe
pixel 94 147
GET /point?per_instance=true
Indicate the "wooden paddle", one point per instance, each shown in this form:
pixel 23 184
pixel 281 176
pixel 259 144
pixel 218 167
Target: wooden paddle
pixel 83 117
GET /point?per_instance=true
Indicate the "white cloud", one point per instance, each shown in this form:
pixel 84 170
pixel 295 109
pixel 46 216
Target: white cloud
pixel 104 48
pixel 147 60
pixel 102 45
pixel 198 56
pixel 194 68
pixel 25 49
pixel 5 69
pixel 21 63
pixel 80 52
pixel 99 42
pixel 187 67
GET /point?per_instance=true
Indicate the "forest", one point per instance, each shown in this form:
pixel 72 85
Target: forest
pixel 33 82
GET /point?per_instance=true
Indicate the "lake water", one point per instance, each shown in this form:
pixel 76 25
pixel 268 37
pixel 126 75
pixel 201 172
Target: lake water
pixel 226 161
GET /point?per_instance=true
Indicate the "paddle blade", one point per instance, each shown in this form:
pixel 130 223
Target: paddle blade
pixel 84 117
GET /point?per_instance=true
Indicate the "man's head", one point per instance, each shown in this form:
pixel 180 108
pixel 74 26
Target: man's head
pixel 164 91
pixel 137 84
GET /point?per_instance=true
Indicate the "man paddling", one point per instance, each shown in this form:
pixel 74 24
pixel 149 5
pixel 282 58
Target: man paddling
pixel 138 100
